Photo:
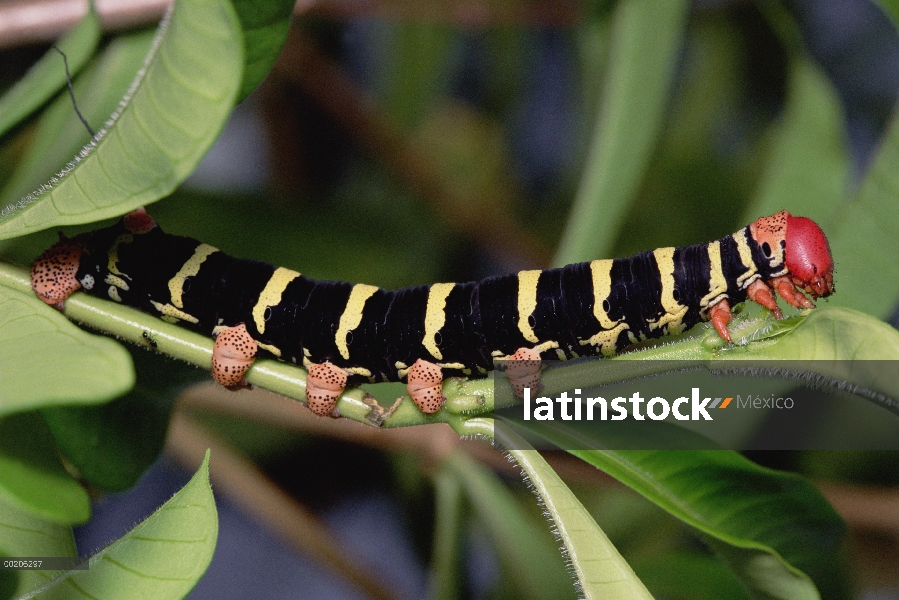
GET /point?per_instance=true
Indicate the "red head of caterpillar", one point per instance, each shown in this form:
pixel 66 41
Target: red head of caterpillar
pixel 808 257
pixel 798 245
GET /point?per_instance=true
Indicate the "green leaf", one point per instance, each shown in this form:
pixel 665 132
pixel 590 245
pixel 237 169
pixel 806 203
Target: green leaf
pixel 111 445
pixel 689 575
pixel 808 168
pixel 176 111
pixel 447 548
pixel 891 8
pixel 46 360
pixel 60 133
pixel 265 27
pixel 163 557
pixel 781 518
pixel 415 69
pixel 862 234
pixel 48 75
pixel 646 42
pixel 600 569
pixel 22 534
pixel 31 476
pixel 524 550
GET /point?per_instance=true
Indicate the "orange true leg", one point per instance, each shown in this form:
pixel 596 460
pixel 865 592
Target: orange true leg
pixel 759 292
pixel 720 316
pixel 523 370
pixel 790 293
pixel 324 385
pixel 425 385
pixel 232 356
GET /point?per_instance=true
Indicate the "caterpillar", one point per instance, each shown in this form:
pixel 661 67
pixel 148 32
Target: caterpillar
pixel 346 334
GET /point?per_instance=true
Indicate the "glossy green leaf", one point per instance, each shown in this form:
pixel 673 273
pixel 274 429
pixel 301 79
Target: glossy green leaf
pixel 522 547
pixel 111 445
pixel 60 133
pixel 647 38
pixel 601 570
pixel 265 26
pixel 31 476
pixel 824 334
pixel 48 75
pixel 22 534
pixel 779 516
pixel 177 109
pixel 46 360
pixel 161 558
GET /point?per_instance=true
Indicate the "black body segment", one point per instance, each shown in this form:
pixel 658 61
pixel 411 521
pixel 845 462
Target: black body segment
pixel 591 308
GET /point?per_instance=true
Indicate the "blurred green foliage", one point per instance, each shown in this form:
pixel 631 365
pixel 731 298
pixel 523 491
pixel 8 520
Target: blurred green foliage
pixel 405 151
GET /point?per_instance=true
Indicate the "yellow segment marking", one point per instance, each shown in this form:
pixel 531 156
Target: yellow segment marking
pixel 601 271
pixel 117 282
pixel 546 346
pixel 188 269
pixel 171 312
pixel 527 303
pixel 435 316
pixel 271 295
pixel 352 315
pixel 717 283
pixel 113 255
pixel 674 310
pixel 458 366
pixel 114 293
pixel 270 348
pixel 752 274
pixel 358 371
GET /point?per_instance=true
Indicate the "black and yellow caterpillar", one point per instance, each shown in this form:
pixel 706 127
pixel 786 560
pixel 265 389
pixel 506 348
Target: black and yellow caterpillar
pixel 347 333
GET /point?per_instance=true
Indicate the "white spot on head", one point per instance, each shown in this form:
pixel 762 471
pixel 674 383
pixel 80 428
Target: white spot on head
pixel 87 282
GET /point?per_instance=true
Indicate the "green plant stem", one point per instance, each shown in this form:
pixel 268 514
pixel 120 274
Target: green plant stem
pixel 132 325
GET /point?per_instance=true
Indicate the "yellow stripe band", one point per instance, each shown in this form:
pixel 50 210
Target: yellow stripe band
pixel 188 269
pixel 527 302
pixel 751 274
pixel 674 311
pixel 717 283
pixel 271 295
pixel 601 272
pixel 112 263
pixel 435 317
pixel 352 315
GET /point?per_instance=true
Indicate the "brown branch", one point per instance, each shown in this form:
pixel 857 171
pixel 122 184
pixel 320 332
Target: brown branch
pixel 411 160
pixel 243 483
pixel 25 22
pixel 865 508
